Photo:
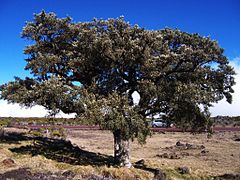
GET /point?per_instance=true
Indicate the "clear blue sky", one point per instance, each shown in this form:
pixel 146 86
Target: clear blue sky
pixel 218 18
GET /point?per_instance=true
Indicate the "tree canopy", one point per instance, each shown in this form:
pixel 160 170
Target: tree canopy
pixel 94 68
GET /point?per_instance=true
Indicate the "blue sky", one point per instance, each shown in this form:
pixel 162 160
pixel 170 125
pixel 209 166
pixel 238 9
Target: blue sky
pixel 219 19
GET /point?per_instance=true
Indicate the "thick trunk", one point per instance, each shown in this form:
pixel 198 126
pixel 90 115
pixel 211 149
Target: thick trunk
pixel 1 132
pixel 121 150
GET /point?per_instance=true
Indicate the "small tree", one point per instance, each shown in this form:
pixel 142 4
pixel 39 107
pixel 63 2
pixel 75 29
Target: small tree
pixel 94 68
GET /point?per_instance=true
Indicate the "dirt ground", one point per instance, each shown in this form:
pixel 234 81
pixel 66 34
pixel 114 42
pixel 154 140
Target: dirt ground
pixel 85 155
pixel 217 155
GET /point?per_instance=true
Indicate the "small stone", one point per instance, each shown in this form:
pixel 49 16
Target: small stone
pixel 68 174
pixel 179 143
pixel 185 154
pixel 140 162
pixel 8 162
pixel 204 152
pixel 189 146
pixel 165 155
pixel 174 156
pixel 184 170
pixel 111 177
pixel 159 175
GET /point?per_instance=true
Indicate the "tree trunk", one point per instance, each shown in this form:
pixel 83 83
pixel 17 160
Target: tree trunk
pixel 121 150
pixel 1 132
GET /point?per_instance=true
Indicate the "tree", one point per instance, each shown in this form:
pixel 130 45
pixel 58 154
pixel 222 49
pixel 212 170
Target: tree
pixel 94 68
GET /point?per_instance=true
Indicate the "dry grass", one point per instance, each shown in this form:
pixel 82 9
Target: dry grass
pixel 222 152
pixel 222 155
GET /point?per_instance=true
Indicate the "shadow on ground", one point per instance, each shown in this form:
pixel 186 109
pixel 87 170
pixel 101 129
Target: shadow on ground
pixel 56 149
pixel 14 138
pixel 63 151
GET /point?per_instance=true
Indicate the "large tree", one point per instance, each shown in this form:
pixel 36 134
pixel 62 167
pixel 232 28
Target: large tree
pixel 94 68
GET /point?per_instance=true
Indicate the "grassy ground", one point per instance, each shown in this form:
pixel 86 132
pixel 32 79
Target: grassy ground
pixel 89 153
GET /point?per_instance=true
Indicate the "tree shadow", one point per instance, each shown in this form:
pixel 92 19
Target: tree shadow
pixel 63 151
pixel 13 138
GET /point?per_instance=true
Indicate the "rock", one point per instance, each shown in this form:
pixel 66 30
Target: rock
pixel 238 139
pixel 179 144
pixel 68 174
pixel 92 177
pixel 190 146
pixel 164 155
pixel 174 156
pixel 25 173
pixel 184 170
pixel 159 175
pixel 8 162
pixel 169 156
pixel 170 147
pixel 185 154
pixel 140 162
pixel 229 176
pixel 22 173
pixel 107 176
pixel 203 152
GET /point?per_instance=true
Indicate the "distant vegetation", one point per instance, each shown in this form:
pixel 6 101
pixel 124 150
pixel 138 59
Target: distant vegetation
pixel 226 120
pixel 11 121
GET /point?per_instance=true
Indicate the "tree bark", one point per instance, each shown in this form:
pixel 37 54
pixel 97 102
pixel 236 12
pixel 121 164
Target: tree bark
pixel 121 150
pixel 1 132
